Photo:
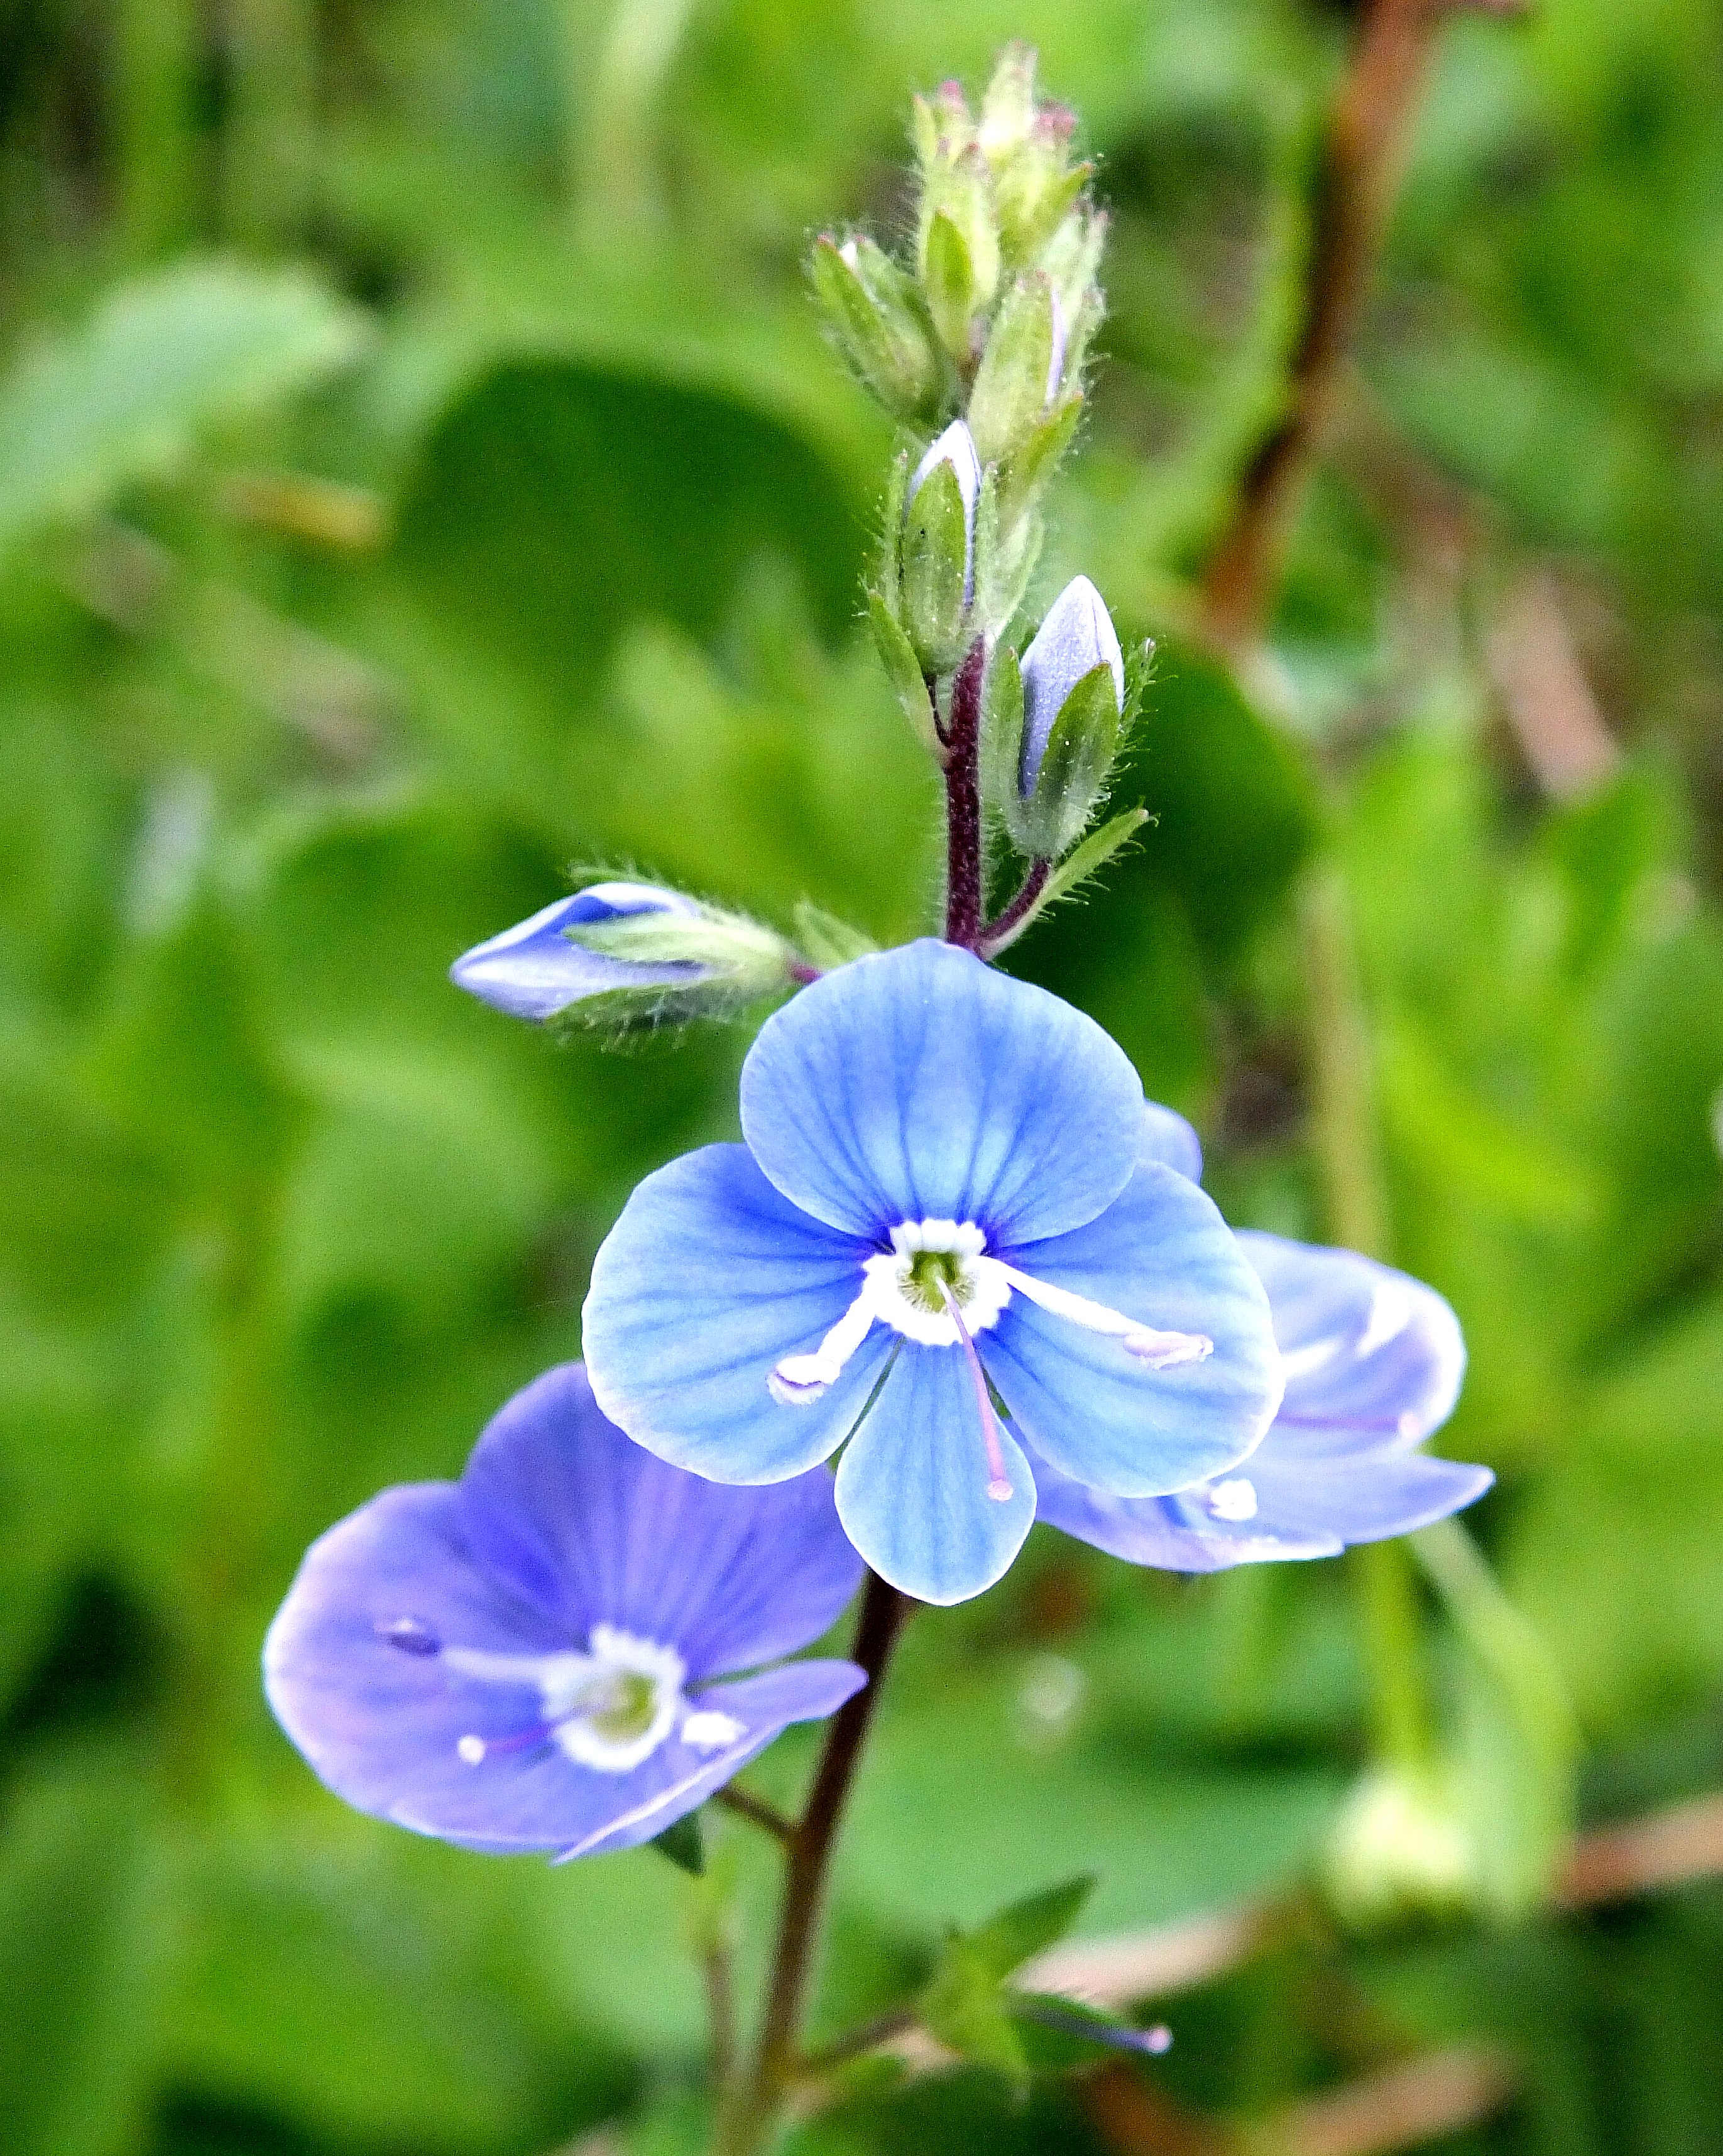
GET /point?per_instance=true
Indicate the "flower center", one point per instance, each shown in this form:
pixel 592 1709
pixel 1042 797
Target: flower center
pixel 609 1708
pixel 937 1287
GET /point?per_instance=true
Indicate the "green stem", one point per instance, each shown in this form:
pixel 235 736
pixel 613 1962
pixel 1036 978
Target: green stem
pixel 612 102
pixel 271 138
pixel 1349 1155
pixel 155 68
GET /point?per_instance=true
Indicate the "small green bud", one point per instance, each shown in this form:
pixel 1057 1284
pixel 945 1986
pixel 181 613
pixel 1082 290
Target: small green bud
pixel 873 310
pixel 1020 369
pixel 738 958
pixel 957 249
pixel 937 550
pixel 1001 729
pixel 1400 1848
pixel 1005 555
pixel 1072 258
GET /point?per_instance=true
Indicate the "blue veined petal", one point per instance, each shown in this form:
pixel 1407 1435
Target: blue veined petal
pixel 381 1722
pixel 1370 1354
pixel 1162 1256
pixel 583 1522
pixel 911 1486
pixel 678 1776
pixel 1168 1138
pixel 1175 1534
pixel 708 1279
pixel 534 970
pixel 919 1084
pixel 1361 1500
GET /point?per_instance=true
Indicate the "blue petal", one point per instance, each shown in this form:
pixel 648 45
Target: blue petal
pixel 677 1777
pixel 1162 1256
pixel 919 1084
pixel 1168 1138
pixel 1361 1500
pixel 534 970
pixel 1371 1355
pixel 1173 1533
pixel 708 1279
pixel 588 1525
pixel 911 1486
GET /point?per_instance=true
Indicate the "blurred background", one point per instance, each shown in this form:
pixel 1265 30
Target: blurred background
pixel 421 477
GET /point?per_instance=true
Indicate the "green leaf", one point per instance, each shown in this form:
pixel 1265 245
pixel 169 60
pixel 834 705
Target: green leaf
pixel 936 560
pixel 1073 771
pixel 1010 390
pixel 825 940
pixel 1089 859
pixel 683 1844
pixel 1029 1926
pixel 161 362
pixel 902 670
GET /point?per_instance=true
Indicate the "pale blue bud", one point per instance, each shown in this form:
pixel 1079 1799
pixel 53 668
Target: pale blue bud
pixel 956 447
pixel 1077 636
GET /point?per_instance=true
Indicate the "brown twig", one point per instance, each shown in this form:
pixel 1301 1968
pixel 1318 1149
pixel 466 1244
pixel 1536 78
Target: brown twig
pixel 756 1810
pixel 1356 177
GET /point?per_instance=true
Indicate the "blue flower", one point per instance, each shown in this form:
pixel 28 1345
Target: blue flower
pixel 953 1194
pixel 527 1658
pixel 1373 1362
pixel 533 970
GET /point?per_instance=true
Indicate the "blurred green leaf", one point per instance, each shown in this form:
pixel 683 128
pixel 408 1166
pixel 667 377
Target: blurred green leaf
pixel 161 363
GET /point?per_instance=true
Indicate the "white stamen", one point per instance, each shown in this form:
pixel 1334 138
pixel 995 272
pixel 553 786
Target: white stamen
pixel 799 1380
pixel 1161 1351
pixel 709 1731
pixel 1233 1500
pixel 1390 1311
pixel 472 1750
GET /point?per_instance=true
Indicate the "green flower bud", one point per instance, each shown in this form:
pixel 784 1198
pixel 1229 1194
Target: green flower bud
pixel 874 313
pixel 1020 369
pixel 937 550
pixel 1400 1848
pixel 957 248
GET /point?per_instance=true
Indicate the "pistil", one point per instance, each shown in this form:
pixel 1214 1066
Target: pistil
pixel 999 1483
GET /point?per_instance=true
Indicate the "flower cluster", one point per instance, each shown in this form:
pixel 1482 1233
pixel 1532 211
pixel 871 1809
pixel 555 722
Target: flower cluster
pixel 958 1275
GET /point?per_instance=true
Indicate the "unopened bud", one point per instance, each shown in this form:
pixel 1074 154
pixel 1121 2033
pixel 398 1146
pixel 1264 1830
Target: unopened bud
pixel 1400 1848
pixel 643 950
pixel 1073 698
pixel 870 307
pixel 1020 367
pixel 937 554
pixel 956 249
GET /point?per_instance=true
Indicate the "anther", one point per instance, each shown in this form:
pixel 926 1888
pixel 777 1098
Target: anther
pixel 409 1635
pixel 711 1730
pixel 472 1750
pixel 1234 1499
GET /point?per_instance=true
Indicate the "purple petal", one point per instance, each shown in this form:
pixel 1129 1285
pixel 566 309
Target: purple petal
pixel 586 1524
pixel 708 1279
pixel 1168 1138
pixel 1363 1500
pixel 918 1084
pixel 1077 636
pixel 1371 1355
pixel 1174 1534
pixel 534 970
pixel 1162 1256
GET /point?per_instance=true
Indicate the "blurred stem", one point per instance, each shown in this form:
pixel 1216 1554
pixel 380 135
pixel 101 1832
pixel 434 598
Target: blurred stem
pixel 156 47
pixel 750 2114
pixel 269 140
pixel 1349 1155
pixel 612 103
pixel 1355 177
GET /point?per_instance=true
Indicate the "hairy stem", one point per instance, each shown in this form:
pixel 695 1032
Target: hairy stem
pixel 962 802
pixel 998 930
pixel 749 2121
pixel 1356 177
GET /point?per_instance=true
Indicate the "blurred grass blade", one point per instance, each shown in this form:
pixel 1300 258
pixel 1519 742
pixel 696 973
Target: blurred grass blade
pixel 1519 1742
